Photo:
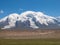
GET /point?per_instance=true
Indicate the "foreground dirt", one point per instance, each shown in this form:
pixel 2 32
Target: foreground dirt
pixel 29 34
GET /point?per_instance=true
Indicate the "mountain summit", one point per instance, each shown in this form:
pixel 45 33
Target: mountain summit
pixel 29 20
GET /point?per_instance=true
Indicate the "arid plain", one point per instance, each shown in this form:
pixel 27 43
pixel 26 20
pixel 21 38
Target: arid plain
pixel 29 34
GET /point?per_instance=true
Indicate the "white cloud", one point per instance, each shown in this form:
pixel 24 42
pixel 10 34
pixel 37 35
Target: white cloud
pixel 1 11
pixel 21 9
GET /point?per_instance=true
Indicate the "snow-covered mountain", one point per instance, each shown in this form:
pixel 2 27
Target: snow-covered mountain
pixel 29 20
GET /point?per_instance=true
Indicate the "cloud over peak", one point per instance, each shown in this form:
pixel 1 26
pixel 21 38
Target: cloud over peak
pixel 1 11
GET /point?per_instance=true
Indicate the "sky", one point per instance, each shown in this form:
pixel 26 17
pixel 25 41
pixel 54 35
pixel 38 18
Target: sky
pixel 49 7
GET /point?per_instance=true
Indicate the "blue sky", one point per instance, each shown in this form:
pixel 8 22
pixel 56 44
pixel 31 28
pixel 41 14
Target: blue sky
pixel 49 7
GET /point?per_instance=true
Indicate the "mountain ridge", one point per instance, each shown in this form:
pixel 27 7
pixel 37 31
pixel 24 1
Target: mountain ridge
pixel 29 19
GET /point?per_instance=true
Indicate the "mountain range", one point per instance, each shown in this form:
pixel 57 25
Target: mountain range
pixel 30 20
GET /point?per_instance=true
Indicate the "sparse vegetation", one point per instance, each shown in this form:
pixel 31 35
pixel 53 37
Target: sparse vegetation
pixel 42 37
pixel 29 41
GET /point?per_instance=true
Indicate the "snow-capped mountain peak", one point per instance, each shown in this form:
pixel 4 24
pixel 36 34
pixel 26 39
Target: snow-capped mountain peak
pixel 39 16
pixel 28 19
pixel 10 19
